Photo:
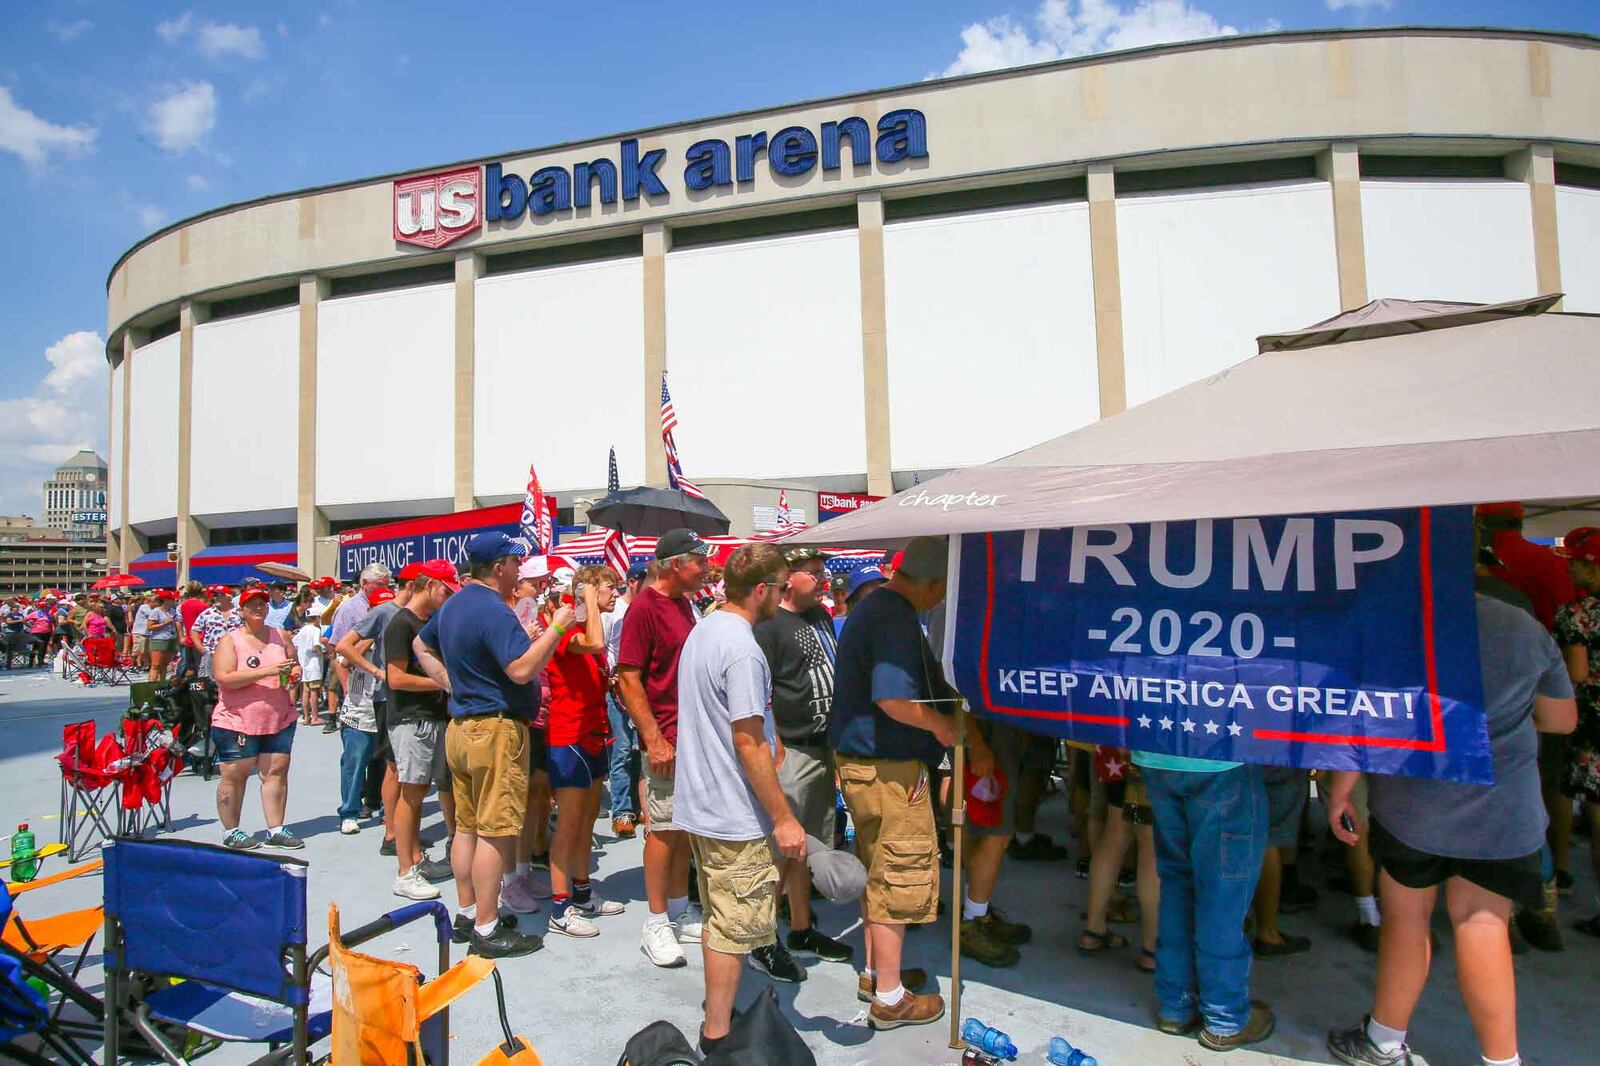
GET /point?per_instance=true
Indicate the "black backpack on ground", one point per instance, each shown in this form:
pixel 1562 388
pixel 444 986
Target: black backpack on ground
pixel 762 1036
pixel 659 1044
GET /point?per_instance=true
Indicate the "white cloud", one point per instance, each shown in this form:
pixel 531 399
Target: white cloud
pixel 181 119
pixel 65 412
pixel 197 182
pixel 1063 28
pixel 1340 5
pixel 214 40
pixel 33 139
pixel 68 31
pixel 174 30
pixel 151 217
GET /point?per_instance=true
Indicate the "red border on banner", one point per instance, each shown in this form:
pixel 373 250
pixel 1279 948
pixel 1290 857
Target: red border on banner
pixel 504 514
pixel 203 561
pixel 1430 660
pixel 983 665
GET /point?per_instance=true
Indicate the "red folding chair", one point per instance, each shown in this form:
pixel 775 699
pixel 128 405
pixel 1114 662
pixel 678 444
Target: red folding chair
pixel 151 761
pixel 101 663
pixel 91 789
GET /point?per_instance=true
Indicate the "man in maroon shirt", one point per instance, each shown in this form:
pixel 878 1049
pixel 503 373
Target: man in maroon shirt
pixel 657 623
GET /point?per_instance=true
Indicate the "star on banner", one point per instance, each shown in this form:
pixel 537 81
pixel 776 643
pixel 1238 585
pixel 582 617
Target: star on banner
pixel 1188 725
pixel 1211 728
pixel 1234 729
pixel 1144 721
pixel 1166 723
pixel 1114 768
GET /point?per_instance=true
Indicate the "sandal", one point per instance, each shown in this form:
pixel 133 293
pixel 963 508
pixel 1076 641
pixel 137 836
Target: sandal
pixel 1589 926
pixel 1124 910
pixel 1098 942
pixel 1147 961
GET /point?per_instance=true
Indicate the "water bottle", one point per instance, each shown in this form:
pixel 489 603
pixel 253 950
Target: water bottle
pixel 987 1040
pixel 24 867
pixel 1064 1054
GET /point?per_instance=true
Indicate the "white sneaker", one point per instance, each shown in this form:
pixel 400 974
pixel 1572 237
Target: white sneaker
pixel 660 946
pixel 411 885
pixel 691 924
pixel 517 894
pixel 574 924
pixel 349 827
pixel 598 907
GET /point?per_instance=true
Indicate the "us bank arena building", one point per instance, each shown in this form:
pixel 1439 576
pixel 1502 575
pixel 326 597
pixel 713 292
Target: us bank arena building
pixel 847 292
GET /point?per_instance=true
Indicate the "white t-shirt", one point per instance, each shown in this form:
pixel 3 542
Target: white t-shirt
pixel 722 677
pixel 611 627
pixel 308 646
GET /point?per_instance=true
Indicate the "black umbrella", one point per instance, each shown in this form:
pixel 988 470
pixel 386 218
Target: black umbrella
pixel 650 512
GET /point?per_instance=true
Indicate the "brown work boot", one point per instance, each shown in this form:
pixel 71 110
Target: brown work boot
pixel 979 943
pixel 912 979
pixel 622 825
pixel 911 1010
pixel 1258 1027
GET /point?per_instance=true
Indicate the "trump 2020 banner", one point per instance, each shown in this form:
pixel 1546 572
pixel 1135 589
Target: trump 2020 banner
pixel 1345 641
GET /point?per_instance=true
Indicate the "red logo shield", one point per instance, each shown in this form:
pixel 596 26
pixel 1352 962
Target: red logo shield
pixel 434 210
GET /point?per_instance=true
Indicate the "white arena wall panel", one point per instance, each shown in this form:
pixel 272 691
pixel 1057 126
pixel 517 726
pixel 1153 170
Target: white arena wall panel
pixel 559 367
pixel 241 461
pixel 114 453
pixel 1450 239
pixel 153 433
pixel 380 356
pixel 990 319
pixel 1578 234
pixel 745 321
pixel 1205 272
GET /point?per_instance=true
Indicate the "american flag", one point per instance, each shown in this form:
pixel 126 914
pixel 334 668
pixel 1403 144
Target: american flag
pixel 616 553
pixel 669 421
pixel 538 527
pixel 785 518
pixel 613 481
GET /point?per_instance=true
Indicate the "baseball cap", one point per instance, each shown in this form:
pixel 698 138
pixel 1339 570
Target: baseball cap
pixel 804 555
pixel 838 874
pixel 1508 509
pixel 860 579
pixel 492 545
pixel 1582 543
pixel 252 592
pixel 925 558
pixel 562 576
pixel 409 572
pixel 441 570
pixel 381 594
pixel 533 568
pixel 676 542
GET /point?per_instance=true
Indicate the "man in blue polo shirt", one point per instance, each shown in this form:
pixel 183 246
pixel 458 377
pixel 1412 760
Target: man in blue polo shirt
pixel 492 668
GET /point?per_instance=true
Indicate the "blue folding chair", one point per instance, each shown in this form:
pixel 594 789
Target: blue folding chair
pixel 26 1017
pixel 231 926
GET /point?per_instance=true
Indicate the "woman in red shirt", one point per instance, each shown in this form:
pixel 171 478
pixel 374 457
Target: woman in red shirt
pixel 579 731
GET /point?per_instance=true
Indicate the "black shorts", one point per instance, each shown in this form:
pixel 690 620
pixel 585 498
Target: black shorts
pixel 538 751
pixel 1518 880
pixel 381 749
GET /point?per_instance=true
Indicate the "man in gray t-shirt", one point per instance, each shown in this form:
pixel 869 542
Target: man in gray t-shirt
pixel 727 795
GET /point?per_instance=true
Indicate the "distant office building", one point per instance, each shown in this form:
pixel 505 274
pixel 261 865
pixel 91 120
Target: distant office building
pixel 34 558
pixel 75 498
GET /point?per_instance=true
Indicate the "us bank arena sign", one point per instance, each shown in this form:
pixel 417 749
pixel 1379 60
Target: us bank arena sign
pixel 433 210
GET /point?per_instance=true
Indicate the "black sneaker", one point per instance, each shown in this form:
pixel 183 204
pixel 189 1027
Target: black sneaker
pixel 708 1044
pixel 1039 848
pixel 283 839
pixel 1355 1048
pixel 387 848
pixel 775 961
pixel 1564 882
pixel 1005 932
pixel 1289 945
pixel 331 727
pixel 816 943
pixel 1365 936
pixel 461 928
pixel 542 860
pixel 504 943
pixel 1081 870
pixel 1126 881
pixel 435 870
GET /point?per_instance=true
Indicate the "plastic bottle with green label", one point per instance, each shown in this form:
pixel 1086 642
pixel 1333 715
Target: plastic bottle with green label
pixel 24 866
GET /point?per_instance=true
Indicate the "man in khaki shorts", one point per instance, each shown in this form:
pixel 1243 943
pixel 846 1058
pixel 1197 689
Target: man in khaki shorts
pixel 727 796
pixel 885 733
pixel 491 666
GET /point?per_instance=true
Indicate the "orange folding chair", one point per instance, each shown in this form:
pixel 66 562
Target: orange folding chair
pixel 42 940
pixel 385 1014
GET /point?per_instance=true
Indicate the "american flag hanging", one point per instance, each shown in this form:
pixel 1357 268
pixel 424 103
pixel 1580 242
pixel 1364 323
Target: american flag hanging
pixel 613 481
pixel 616 553
pixel 538 527
pixel 785 518
pixel 669 420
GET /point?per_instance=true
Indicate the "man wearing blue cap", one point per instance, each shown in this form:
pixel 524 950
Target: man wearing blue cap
pixel 493 667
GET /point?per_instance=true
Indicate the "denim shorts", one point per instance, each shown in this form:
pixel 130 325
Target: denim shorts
pixel 572 767
pixel 232 746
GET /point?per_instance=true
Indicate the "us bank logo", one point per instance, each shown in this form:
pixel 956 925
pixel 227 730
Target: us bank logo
pixel 434 210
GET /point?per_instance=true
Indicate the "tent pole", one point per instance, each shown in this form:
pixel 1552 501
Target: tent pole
pixel 958 817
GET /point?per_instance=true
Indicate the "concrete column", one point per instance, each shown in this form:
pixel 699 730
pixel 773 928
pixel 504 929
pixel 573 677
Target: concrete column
pixel 191 535
pixel 1536 165
pixel 309 521
pixel 657 242
pixel 1105 267
pixel 1340 167
pixel 469 266
pixel 874 344
pixel 125 539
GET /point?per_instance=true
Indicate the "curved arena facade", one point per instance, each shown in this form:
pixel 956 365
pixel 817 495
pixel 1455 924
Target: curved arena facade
pixel 846 292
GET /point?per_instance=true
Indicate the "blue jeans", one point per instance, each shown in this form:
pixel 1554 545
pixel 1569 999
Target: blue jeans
pixel 358 748
pixel 1211 834
pixel 624 782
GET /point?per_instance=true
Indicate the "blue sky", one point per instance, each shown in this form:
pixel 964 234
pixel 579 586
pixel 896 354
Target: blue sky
pixel 119 117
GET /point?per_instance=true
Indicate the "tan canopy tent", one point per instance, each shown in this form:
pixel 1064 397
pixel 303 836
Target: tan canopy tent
pixel 1394 404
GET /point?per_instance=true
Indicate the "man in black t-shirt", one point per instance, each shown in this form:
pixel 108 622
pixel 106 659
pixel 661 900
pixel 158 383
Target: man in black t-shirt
pixel 416 722
pixel 799 645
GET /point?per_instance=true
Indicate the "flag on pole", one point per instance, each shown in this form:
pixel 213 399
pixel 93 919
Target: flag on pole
pixel 785 518
pixel 617 553
pixel 613 482
pixel 669 420
pixel 538 524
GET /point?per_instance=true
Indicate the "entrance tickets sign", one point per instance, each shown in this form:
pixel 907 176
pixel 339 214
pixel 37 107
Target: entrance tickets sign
pixel 1345 642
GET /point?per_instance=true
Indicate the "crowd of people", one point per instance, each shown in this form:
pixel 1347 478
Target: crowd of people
pixel 774 730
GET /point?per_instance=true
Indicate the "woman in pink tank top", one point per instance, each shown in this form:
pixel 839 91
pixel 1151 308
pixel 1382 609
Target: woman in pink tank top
pixel 253 724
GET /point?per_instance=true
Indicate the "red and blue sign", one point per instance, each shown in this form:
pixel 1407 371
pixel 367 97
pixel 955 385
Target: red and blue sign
pixel 1342 642
pixel 417 540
